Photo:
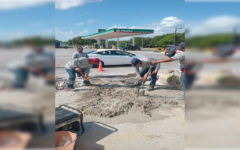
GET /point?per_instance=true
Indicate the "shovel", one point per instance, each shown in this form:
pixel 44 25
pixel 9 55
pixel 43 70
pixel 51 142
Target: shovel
pixel 140 90
pixel 58 65
pixel 84 76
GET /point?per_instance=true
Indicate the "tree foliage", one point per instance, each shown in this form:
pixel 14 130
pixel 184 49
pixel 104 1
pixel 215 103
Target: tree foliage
pixel 212 40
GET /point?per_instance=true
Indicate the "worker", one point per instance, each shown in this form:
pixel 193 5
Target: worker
pixel 226 54
pixel 79 54
pixel 145 63
pixel 181 57
pixel 81 65
pixel 38 63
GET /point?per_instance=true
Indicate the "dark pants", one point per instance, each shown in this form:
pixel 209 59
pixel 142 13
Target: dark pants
pixel 78 74
pixel 21 77
pixel 72 77
pixel 153 77
pixel 190 80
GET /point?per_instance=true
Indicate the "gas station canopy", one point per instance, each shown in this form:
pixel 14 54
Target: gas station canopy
pixel 117 33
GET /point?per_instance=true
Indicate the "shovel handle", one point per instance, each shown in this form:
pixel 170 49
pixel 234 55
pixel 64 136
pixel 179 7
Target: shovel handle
pixel 58 65
pixel 145 78
pixel 83 76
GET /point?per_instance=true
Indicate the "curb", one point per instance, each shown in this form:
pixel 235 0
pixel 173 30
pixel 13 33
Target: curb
pixel 159 52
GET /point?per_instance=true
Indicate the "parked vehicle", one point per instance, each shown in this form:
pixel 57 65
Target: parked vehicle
pixel 57 45
pixel 168 45
pixel 225 50
pixel 89 52
pixel 171 51
pixel 60 45
pixel 66 46
pixel 114 57
pixel 131 48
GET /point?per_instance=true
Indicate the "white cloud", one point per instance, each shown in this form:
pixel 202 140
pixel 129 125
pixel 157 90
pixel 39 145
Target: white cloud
pixel 90 21
pixel 66 4
pixel 80 23
pixel 117 26
pixel 219 24
pixel 64 36
pixel 167 25
pixel 13 4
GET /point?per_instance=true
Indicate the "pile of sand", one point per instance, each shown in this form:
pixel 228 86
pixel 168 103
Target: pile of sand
pixel 61 83
pixel 110 102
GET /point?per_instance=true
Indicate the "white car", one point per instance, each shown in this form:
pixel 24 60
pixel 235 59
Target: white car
pixel 114 57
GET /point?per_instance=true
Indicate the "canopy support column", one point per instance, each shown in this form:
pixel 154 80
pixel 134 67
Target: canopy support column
pixel 106 42
pixel 98 41
pixel 117 42
pixel 133 40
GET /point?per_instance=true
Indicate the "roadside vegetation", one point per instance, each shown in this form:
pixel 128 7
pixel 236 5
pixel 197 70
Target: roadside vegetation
pixel 148 42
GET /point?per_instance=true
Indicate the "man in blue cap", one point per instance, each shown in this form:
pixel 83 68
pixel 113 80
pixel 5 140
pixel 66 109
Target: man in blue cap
pixel 181 57
pixel 146 64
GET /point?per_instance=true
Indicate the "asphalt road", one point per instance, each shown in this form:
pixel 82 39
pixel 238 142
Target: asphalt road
pixel 65 55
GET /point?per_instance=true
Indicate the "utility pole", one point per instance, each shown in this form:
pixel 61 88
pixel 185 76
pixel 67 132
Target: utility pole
pixel 76 42
pixel 175 35
pixel 72 41
pixel 142 42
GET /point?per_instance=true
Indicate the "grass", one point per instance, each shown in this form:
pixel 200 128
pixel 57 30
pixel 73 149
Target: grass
pixel 157 50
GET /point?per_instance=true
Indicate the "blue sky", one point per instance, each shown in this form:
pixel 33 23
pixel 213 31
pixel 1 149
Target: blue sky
pixel 82 17
pixel 200 11
pixel 205 18
pixel 34 20
pixel 88 17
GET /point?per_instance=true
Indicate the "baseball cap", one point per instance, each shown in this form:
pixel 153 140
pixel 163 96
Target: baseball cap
pixel 96 60
pixel 181 45
pixel 135 61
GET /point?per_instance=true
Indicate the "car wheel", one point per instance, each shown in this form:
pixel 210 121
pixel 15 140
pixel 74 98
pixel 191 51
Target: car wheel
pixel 65 47
pixel 102 63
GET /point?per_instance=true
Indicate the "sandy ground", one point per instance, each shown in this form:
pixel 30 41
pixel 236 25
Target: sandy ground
pixel 117 118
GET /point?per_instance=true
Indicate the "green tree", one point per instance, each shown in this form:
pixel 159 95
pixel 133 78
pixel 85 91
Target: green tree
pixel 169 39
pixel 154 41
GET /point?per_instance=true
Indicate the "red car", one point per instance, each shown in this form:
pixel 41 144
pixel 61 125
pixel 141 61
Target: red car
pixel 171 51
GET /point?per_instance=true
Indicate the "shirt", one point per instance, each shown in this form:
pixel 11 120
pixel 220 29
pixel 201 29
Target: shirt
pixel 146 64
pixel 181 58
pixel 79 63
pixel 78 55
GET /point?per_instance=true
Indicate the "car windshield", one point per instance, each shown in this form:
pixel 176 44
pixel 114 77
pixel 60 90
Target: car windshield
pixel 172 48
pixel 131 54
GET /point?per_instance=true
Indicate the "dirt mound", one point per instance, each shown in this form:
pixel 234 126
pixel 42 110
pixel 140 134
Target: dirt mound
pixel 110 102
pixel 61 83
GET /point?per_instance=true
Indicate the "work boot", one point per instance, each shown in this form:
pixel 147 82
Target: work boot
pixel 70 89
pixel 137 84
pixel 151 88
pixel 181 98
pixel 86 84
